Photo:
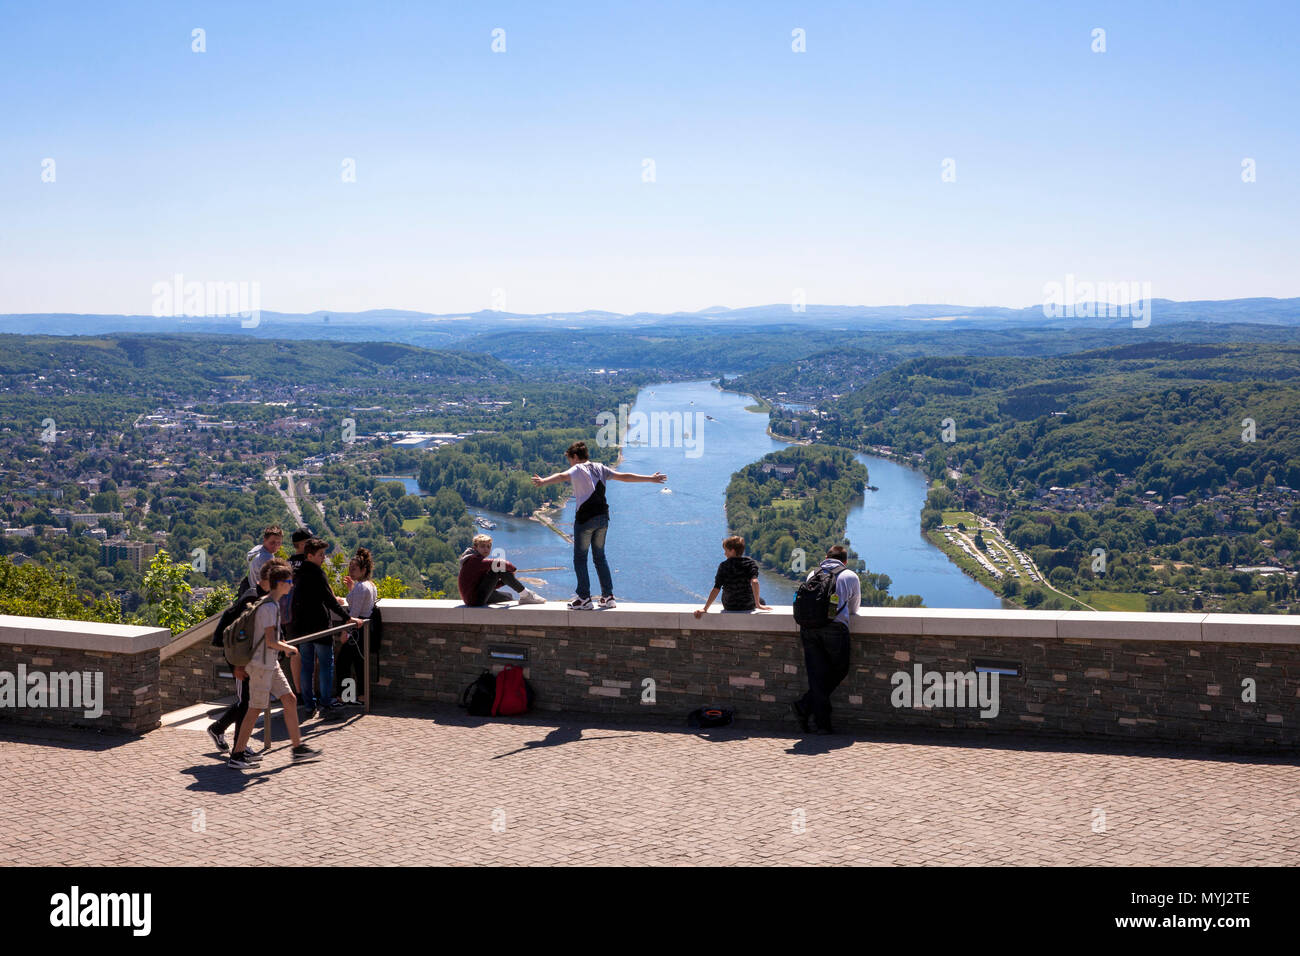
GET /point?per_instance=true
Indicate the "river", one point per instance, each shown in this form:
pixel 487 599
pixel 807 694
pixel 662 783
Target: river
pixel 666 546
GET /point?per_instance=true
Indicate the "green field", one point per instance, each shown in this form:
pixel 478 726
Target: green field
pixel 785 504
pixel 1115 600
pixel 415 524
pixel 965 517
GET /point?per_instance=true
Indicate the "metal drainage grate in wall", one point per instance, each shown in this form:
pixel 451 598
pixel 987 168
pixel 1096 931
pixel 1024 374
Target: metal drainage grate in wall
pixel 1001 668
pixel 508 652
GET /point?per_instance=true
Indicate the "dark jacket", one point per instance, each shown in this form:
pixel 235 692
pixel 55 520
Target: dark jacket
pixel 472 568
pixel 315 608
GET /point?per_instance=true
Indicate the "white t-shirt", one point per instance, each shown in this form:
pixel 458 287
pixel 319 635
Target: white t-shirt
pixel 268 615
pixel 362 598
pixel 584 476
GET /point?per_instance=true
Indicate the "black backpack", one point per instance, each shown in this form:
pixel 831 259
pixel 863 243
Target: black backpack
pixel 812 602
pixel 479 696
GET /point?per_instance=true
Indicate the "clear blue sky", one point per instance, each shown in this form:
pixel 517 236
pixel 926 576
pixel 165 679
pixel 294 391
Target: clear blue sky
pixel 522 170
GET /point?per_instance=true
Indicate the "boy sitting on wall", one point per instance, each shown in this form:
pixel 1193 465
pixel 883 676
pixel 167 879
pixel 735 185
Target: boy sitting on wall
pixel 737 579
pixel 481 575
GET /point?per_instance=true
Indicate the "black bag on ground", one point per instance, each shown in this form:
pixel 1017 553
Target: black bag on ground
pixel 710 717
pixel 812 602
pixel 479 696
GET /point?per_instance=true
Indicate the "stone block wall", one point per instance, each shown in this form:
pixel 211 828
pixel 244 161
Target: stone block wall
pixel 191 675
pixel 130 701
pixel 1155 679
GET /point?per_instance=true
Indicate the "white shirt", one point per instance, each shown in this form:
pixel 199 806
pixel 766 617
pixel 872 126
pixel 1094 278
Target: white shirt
pixel 268 615
pixel 584 476
pixel 362 598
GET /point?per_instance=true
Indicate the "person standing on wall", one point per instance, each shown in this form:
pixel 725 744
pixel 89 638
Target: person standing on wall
pixel 591 522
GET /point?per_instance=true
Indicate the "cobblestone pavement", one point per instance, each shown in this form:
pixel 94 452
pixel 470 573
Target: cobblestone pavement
pixel 415 788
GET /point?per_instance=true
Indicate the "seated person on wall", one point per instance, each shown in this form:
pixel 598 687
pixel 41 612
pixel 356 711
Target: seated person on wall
pixel 481 574
pixel 737 579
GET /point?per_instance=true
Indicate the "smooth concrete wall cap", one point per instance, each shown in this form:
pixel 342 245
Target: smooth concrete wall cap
pixel 1122 626
pixel 81 635
pixel 938 622
pixel 552 613
pixel 978 623
pixel 779 620
pixel 656 616
pixel 411 611
pixel 198 633
pixel 887 620
pixel 1255 629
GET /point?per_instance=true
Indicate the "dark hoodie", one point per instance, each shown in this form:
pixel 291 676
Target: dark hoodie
pixel 473 566
pixel 315 608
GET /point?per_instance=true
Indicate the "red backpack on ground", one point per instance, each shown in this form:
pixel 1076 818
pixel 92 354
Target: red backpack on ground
pixel 512 693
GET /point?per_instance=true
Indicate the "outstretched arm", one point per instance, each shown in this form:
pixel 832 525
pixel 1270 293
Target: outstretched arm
pixel 554 479
pixel 658 477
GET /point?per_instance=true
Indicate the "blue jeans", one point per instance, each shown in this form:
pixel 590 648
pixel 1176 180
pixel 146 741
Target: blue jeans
pixel 590 536
pixel 309 652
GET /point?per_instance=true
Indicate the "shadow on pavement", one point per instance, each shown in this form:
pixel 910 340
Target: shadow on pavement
pixel 568 734
pixel 214 776
pixel 452 716
pixel 557 729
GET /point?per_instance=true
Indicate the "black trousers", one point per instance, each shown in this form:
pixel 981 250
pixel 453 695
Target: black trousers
pixel 235 712
pixel 487 592
pixel 826 657
pixel 348 662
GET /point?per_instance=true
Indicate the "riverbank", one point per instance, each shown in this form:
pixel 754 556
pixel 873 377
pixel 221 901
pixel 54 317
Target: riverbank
pixel 667 547
pixel 543 516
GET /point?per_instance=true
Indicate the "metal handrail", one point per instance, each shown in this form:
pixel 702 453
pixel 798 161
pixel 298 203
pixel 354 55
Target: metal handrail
pixel 365 655
pixel 329 630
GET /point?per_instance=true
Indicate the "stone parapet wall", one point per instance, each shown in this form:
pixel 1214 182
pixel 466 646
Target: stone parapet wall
pixel 1170 677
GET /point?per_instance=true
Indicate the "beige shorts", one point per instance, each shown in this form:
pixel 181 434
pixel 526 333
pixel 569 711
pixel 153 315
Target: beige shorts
pixel 265 682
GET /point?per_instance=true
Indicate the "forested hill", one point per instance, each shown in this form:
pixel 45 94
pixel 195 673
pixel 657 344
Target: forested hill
pixel 799 498
pixel 495 471
pixel 1179 461
pixel 171 362
pixel 1171 409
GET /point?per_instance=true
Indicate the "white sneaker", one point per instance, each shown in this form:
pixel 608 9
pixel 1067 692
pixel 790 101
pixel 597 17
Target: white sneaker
pixel 581 604
pixel 607 602
pixel 529 596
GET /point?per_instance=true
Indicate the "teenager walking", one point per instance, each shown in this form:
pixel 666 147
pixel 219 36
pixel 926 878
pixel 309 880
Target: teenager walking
pixel 234 714
pixel 266 679
pixel 591 521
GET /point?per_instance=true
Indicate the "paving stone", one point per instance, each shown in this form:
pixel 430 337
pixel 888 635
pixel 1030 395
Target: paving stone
pixel 415 787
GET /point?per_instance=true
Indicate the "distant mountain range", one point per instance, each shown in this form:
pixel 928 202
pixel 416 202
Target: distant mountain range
pixel 448 328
